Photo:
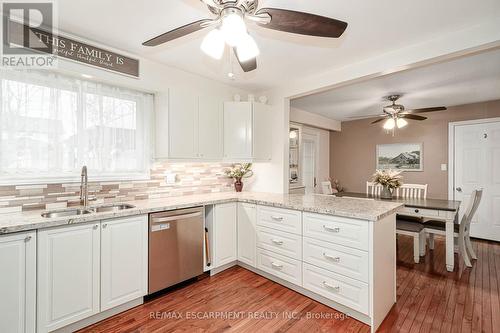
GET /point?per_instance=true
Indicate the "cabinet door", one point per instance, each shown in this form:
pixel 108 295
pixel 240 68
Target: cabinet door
pixel 225 224
pixel 237 130
pixel 183 120
pixel 210 113
pixel 124 256
pixel 247 215
pixel 18 282
pixel 262 132
pixel 68 275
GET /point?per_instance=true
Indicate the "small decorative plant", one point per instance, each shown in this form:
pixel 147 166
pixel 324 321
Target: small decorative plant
pixel 238 171
pixel 336 185
pixel 389 179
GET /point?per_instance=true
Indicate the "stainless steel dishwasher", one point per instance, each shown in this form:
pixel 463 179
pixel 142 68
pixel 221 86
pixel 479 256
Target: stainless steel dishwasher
pixel 175 247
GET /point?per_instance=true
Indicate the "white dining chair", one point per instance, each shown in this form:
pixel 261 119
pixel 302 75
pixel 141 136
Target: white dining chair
pixel 373 189
pixel 417 191
pixel 462 230
pixel 326 187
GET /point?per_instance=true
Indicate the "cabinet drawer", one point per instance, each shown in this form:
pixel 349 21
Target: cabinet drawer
pixel 280 266
pixel 337 258
pixel 281 219
pixel 418 212
pixel 339 230
pixel 341 289
pixel 284 243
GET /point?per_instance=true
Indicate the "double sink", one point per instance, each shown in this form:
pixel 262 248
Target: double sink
pixel 88 210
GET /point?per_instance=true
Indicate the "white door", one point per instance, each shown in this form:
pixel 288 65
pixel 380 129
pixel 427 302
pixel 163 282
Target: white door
pixel 124 260
pixel 183 120
pixel 477 165
pixel 225 237
pixel 309 162
pixel 18 283
pixel 210 113
pixel 237 130
pixel 68 275
pixel 247 216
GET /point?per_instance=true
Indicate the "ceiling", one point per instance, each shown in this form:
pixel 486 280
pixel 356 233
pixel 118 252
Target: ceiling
pixel 461 81
pixel 375 27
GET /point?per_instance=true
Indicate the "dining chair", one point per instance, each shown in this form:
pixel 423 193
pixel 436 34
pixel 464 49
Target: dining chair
pixel 373 189
pixel 462 230
pixel 417 191
pixel 326 187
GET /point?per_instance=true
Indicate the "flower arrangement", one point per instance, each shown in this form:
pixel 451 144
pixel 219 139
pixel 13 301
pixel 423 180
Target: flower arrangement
pixel 389 179
pixel 238 171
pixel 336 187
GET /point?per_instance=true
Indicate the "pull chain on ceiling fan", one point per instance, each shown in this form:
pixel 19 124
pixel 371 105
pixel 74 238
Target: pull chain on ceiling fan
pixel 230 28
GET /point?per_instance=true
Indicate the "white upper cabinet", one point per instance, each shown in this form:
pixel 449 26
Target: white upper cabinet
pixel 68 275
pixel 182 125
pixel 124 256
pixel 247 131
pixel 210 113
pixel 18 283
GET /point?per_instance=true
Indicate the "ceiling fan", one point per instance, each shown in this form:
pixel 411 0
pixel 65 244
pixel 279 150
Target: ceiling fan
pixel 230 21
pixel 395 115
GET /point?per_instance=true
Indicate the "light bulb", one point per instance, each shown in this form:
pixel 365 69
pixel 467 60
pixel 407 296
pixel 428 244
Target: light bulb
pixel 213 44
pixel 293 134
pixel 401 122
pixel 233 28
pixel 389 124
pixel 246 48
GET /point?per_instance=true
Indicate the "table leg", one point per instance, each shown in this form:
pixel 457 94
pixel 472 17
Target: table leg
pixel 450 245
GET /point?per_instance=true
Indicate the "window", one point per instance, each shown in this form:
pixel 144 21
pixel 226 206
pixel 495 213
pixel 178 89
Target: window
pixel 51 125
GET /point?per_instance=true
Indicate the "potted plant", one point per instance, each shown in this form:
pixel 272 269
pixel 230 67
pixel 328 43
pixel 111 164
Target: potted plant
pixel 389 179
pixel 239 171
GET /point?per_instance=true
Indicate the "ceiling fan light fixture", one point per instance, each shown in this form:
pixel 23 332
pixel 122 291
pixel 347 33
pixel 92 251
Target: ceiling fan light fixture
pixel 389 124
pixel 213 44
pixel 247 48
pixel 233 28
pixel 400 123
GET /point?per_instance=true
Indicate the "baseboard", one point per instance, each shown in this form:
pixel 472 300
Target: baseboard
pixel 100 316
pixel 223 268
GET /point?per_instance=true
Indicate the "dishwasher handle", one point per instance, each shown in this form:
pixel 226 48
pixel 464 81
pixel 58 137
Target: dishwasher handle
pixel 174 218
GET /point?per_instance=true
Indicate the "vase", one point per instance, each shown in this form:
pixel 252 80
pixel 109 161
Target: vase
pixel 238 185
pixel 385 193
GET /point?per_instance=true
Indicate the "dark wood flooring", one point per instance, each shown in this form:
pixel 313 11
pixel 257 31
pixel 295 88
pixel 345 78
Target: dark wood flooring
pixel 430 299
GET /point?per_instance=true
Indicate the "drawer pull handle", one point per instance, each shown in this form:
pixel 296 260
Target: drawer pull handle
pixel 276 266
pixel 335 259
pixel 277 218
pixel 330 286
pixel 327 228
pixel 277 241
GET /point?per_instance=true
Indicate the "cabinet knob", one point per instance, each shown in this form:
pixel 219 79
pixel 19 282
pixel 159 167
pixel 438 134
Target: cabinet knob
pixel 104 225
pixel 27 239
pixel 96 226
pixel 416 211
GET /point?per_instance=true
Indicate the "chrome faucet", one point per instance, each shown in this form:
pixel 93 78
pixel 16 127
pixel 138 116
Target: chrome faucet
pixel 84 187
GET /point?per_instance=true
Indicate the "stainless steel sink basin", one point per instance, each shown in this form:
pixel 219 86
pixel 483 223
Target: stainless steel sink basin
pixel 66 212
pixel 112 208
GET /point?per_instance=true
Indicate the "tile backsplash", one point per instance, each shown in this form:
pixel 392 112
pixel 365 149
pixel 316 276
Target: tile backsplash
pixel 192 178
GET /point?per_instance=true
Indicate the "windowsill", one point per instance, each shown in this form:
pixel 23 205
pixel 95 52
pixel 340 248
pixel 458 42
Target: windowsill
pixel 73 179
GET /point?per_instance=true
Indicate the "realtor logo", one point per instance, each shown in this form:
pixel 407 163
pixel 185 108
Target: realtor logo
pixel 23 24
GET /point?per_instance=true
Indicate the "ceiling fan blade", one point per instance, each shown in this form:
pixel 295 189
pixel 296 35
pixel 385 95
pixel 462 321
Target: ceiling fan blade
pixel 248 65
pixel 370 116
pixel 303 23
pixel 412 116
pixel 439 108
pixel 378 120
pixel 176 33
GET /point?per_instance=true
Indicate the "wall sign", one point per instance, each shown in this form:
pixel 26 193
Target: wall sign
pixel 74 50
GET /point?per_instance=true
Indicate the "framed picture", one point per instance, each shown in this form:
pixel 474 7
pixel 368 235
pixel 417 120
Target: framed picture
pixel 400 156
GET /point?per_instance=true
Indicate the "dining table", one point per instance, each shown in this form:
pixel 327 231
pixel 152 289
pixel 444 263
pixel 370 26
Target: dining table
pixel 426 209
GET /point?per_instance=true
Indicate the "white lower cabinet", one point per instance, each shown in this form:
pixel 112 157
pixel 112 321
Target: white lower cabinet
pixel 18 282
pixel 225 234
pixel 124 265
pixel 68 275
pixel 247 215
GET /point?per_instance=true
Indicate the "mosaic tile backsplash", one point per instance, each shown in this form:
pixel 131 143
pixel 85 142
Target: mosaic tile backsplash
pixel 192 178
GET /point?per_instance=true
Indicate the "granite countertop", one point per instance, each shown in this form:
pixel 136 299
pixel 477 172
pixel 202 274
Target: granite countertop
pixel 360 208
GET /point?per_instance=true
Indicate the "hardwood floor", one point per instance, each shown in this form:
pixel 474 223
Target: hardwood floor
pixel 430 299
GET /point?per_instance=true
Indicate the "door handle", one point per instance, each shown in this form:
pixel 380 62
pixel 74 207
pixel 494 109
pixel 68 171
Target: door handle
pixel 459 189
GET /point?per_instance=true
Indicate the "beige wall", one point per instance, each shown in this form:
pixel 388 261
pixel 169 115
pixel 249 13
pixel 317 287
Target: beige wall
pixel 352 151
